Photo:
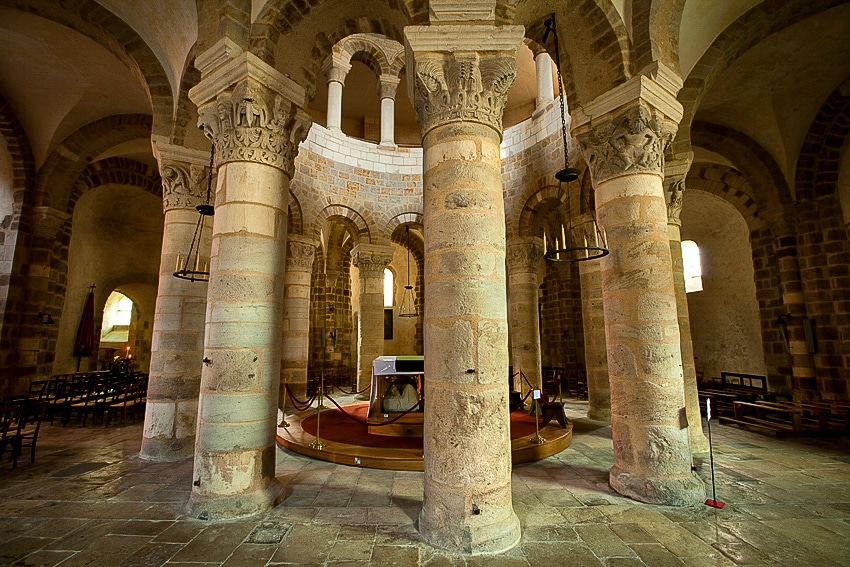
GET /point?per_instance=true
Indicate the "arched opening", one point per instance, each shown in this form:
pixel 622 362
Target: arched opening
pixel 117 316
pixel 692 266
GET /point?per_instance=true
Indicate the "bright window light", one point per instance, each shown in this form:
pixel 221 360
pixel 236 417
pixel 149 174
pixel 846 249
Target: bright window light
pixel 692 265
pixel 388 288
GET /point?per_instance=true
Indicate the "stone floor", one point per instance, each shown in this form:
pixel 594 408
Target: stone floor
pixel 89 501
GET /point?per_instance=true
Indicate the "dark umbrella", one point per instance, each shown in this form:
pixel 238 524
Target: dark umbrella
pixel 84 344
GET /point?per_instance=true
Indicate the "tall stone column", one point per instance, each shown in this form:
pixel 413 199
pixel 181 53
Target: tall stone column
pixel 386 92
pixel 675 179
pixel 296 315
pixel 545 85
pixel 624 145
pixel 177 345
pixel 595 346
pixel 371 260
pixel 523 256
pixel 459 93
pixel 335 70
pixel 252 114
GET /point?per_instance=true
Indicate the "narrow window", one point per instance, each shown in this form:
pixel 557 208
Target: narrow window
pixel 117 316
pixel 692 266
pixel 388 288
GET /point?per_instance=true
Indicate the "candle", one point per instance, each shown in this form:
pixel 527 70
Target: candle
pixel 563 237
pixel 177 267
pixel 544 243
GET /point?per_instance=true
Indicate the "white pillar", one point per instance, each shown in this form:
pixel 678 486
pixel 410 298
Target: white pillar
pixel 386 92
pixel 545 86
pixel 335 69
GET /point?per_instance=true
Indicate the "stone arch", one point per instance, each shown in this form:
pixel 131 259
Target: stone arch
pixel 528 224
pixel 595 46
pixel 410 217
pixel 116 170
pixel 67 161
pixel 729 185
pixel 770 189
pixel 90 19
pixel 280 18
pixel 655 32
pixel 296 217
pixel 377 52
pixel 359 227
pixel 752 27
pixel 186 114
pixel 826 142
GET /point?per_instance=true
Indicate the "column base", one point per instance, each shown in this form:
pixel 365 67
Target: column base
pixel 599 414
pixel 687 490
pixel 699 442
pixel 473 539
pixel 167 450
pixel 213 507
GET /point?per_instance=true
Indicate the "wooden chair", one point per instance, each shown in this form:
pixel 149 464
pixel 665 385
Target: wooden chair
pixel 9 414
pixel 26 434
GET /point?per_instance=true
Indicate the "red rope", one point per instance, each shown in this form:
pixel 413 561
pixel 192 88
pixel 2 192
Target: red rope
pixel 364 422
pixel 298 404
pixel 351 393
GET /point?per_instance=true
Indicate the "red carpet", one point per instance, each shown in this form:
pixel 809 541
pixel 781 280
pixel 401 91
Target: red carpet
pixel 336 426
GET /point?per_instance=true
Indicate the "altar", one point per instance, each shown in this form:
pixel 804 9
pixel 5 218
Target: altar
pixel 397 387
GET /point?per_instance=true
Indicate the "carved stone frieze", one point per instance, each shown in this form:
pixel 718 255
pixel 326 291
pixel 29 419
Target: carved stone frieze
pixel 631 142
pixel 524 254
pixel 462 87
pixel 252 123
pixel 183 188
pixel 48 221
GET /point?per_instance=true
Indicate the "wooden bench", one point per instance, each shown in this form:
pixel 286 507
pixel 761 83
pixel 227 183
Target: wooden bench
pixel 788 418
pixel 734 387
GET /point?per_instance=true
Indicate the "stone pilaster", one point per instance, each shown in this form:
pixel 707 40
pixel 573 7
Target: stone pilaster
pixel 296 315
pixel 523 256
pixel 674 182
pixel 803 373
pixel 371 261
pixel 595 346
pixel 178 327
pixel 253 115
pixel 623 135
pixel 459 94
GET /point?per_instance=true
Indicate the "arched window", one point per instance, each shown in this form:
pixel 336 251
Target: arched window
pixel 692 265
pixel 117 316
pixel 388 288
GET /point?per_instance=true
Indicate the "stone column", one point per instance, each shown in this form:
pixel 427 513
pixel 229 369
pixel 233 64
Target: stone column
pixel 545 85
pixel 371 260
pixel 252 114
pixel 177 344
pixel 459 94
pixel 296 315
pixel 675 180
pixel 386 92
pixel 624 145
pixel 595 346
pixel 335 70
pixel 523 256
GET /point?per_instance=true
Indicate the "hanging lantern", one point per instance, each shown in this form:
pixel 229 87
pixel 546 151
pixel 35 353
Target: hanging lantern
pixel 408 303
pixel 568 242
pixel 191 267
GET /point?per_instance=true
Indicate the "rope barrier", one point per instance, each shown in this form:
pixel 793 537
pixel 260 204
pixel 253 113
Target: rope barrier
pixel 340 388
pixel 298 404
pixel 364 422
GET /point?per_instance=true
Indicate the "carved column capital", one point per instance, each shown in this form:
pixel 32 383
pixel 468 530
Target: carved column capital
pixel 524 254
pixel 47 222
pixel 251 112
pixel 466 84
pixel 630 142
pixel 184 173
pixel 301 253
pixel 371 259
pixel 674 186
pixel 387 85
pixel 336 68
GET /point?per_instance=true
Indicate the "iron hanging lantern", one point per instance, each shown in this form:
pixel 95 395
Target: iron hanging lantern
pixel 585 241
pixel 408 303
pixel 191 267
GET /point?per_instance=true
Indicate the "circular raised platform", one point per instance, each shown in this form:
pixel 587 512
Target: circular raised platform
pixel 348 442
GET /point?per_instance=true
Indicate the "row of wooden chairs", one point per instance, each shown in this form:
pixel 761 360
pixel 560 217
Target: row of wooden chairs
pixel 20 422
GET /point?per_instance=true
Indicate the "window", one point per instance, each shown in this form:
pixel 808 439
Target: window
pixel 692 266
pixel 117 316
pixel 388 288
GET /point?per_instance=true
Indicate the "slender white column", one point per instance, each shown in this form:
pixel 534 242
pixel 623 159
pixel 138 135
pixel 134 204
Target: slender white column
pixel 335 69
pixel 545 85
pixel 386 92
